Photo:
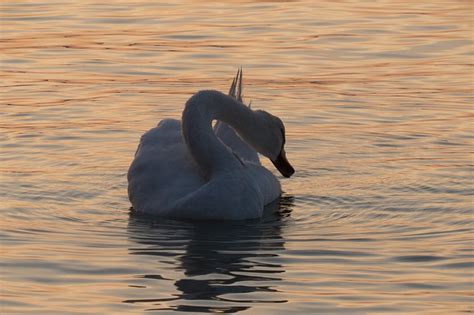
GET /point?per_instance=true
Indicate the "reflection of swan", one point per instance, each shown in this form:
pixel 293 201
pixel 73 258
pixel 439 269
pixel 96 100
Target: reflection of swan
pixel 183 170
pixel 222 268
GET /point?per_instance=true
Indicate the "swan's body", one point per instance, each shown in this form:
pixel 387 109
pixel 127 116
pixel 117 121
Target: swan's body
pixel 190 170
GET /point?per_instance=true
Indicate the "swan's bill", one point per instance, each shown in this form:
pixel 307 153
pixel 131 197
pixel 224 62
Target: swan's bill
pixel 282 164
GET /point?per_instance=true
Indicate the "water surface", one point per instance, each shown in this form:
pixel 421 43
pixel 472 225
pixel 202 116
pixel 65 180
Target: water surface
pixel 377 101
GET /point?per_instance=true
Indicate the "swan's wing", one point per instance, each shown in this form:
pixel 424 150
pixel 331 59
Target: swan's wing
pixel 163 170
pixel 228 135
pixel 231 139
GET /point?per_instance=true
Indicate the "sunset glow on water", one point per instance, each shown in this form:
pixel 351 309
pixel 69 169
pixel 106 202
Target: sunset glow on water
pixel 377 102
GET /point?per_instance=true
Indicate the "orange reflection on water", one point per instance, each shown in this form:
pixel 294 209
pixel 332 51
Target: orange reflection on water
pixel 376 98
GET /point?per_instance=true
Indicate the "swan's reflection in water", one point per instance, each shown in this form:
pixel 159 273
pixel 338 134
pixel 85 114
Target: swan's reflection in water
pixel 225 267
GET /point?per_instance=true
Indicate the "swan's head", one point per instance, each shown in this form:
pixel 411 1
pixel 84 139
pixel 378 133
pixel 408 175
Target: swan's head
pixel 269 140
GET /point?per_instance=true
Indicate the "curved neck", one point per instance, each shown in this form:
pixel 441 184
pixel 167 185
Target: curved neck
pixel 208 151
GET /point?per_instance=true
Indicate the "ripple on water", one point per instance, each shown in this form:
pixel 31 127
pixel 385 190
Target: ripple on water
pixel 376 100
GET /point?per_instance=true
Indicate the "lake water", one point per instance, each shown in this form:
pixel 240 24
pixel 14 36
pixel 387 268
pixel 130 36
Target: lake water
pixel 377 101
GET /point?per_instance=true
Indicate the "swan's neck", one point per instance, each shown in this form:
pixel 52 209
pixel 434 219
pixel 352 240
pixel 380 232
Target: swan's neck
pixel 208 151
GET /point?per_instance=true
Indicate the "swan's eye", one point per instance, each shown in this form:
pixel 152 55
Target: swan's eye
pixel 283 136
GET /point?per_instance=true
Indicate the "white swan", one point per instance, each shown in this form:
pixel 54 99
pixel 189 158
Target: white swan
pixel 188 170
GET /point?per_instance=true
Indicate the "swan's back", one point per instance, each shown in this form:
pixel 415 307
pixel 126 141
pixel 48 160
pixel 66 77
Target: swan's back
pixel 163 171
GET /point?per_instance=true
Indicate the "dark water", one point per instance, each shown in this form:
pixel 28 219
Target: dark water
pixel 377 100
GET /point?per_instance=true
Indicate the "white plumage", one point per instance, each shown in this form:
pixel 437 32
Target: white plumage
pixel 188 170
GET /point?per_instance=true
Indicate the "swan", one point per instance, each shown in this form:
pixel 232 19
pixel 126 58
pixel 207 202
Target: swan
pixel 189 170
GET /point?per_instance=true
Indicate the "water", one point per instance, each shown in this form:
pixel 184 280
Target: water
pixel 376 98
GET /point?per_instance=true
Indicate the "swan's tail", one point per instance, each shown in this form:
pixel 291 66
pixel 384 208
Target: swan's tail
pixel 228 135
pixel 236 87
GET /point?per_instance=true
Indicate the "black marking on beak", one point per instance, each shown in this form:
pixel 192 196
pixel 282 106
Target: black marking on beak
pixel 282 164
